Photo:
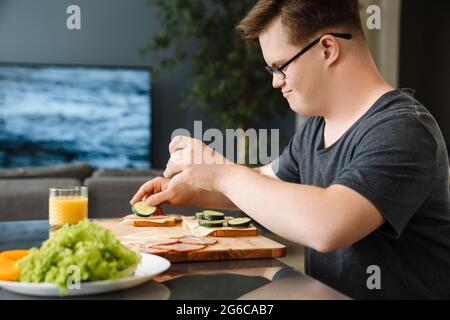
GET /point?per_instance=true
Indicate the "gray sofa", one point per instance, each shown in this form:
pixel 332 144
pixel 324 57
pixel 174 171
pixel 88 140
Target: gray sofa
pixel 110 190
pixel 24 191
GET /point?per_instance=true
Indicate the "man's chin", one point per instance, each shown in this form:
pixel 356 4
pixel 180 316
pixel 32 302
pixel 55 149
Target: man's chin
pixel 298 107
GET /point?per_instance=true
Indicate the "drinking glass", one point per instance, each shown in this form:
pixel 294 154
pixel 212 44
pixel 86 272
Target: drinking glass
pixel 67 206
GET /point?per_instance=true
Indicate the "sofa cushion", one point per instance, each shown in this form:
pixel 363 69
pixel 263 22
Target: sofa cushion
pixel 27 199
pixel 110 196
pixel 147 173
pixel 79 171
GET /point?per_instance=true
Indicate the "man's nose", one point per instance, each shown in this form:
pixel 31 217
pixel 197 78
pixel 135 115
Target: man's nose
pixel 277 81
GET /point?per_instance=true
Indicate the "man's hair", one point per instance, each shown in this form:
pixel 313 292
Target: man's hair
pixel 302 18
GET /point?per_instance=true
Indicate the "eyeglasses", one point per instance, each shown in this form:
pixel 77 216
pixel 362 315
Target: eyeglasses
pixel 279 70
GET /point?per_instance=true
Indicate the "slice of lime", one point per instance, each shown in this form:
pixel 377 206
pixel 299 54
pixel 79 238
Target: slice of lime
pixel 239 222
pixel 210 224
pixel 213 215
pixel 142 209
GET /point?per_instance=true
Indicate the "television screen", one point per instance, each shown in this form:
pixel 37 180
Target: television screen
pixel 64 114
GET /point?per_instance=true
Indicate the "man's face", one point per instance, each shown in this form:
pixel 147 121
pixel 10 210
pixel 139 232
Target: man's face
pixel 301 87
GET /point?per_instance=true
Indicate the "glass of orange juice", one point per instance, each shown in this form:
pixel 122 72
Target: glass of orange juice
pixel 67 206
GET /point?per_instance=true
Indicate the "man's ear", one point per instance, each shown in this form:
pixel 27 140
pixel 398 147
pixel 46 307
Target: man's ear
pixel 330 49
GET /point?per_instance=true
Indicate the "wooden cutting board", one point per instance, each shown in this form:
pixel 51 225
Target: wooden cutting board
pixel 226 248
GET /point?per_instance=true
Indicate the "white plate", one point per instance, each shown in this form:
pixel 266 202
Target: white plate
pixel 149 267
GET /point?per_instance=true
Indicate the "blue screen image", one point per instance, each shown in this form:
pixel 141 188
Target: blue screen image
pixel 64 114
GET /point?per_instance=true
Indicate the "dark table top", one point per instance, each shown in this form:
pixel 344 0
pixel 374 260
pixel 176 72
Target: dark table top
pixel 219 280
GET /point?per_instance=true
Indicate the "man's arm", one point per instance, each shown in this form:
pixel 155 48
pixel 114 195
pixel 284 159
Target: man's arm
pixel 323 219
pixel 217 200
pixel 267 171
pixel 214 200
pixel 157 192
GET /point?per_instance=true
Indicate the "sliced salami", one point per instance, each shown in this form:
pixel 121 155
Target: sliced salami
pixel 159 242
pixel 197 240
pixel 180 247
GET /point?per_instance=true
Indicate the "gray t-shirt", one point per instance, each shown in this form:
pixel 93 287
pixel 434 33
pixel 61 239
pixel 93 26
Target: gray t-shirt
pixel 394 156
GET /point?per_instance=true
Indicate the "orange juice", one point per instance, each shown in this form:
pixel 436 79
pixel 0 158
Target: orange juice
pixel 67 206
pixel 69 210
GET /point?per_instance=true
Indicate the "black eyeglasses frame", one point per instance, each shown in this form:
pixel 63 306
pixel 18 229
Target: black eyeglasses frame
pixel 279 70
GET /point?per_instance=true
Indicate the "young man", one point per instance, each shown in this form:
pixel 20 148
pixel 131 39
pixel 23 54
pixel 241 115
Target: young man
pixel 363 184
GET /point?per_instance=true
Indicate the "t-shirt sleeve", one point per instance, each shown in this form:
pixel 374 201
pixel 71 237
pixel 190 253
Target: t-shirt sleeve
pixel 392 167
pixel 285 166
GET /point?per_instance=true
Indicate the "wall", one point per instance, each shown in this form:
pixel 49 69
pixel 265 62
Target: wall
pixel 112 33
pixel 425 52
pixel 384 44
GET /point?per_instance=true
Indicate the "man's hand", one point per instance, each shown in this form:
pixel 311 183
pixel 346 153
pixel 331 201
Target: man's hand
pixel 194 164
pixel 189 179
pixel 194 151
pixel 162 190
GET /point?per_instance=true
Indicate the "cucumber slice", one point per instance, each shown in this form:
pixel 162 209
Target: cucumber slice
pixel 210 223
pixel 199 215
pixel 239 222
pixel 142 209
pixel 213 215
